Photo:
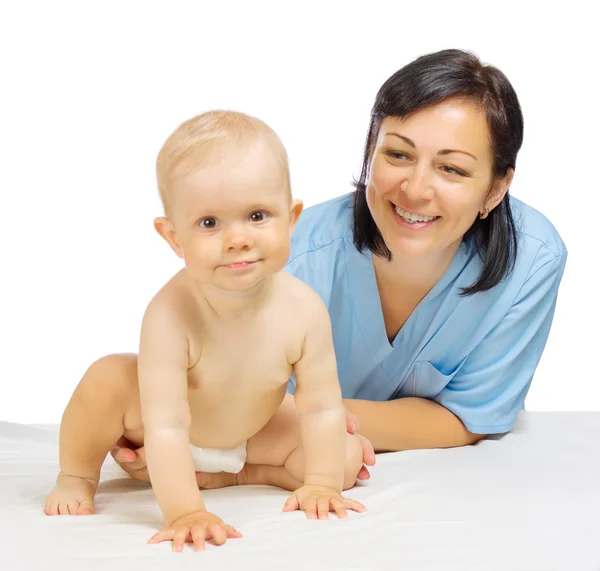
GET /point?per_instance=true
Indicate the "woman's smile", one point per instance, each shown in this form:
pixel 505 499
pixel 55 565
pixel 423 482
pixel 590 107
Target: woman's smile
pixel 411 220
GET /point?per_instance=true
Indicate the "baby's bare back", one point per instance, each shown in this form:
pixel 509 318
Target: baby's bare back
pixel 239 369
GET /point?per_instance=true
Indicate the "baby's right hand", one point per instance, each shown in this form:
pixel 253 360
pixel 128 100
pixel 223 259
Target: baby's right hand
pixel 196 528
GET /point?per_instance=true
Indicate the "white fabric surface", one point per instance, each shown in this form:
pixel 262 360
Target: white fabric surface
pixel 529 500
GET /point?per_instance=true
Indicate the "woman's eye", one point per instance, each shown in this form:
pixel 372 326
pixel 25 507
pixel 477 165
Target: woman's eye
pixel 452 170
pixel 208 223
pixel 259 216
pixel 397 155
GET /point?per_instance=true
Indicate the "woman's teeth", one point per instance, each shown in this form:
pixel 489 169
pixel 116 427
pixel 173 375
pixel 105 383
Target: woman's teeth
pixel 412 218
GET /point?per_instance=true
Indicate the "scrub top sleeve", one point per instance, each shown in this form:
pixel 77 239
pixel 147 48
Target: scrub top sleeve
pixel 296 267
pixel 489 389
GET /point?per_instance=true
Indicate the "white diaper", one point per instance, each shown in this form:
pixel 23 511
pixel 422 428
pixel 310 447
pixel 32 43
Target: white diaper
pixel 231 460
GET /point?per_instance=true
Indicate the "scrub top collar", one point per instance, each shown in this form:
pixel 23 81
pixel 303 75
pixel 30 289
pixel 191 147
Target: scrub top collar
pixel 366 302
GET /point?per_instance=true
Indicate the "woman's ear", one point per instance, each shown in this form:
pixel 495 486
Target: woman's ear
pixel 498 191
pixel 166 229
pixel 296 208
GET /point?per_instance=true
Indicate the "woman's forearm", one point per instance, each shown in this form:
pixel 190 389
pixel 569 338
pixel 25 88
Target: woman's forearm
pixel 409 423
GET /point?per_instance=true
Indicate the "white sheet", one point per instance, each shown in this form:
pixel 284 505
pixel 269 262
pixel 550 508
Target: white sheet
pixel 529 500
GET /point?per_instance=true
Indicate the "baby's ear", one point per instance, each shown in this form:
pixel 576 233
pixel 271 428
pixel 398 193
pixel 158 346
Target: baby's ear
pixel 166 229
pixel 296 208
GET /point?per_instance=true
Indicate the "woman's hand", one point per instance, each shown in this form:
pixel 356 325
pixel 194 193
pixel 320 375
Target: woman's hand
pixel 133 461
pixel 368 450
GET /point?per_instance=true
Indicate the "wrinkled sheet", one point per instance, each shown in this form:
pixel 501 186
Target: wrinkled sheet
pixel 528 500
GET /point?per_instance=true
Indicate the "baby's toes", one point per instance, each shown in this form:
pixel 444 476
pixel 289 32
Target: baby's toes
pixel 86 507
pixel 73 505
pixel 64 507
pixel 51 507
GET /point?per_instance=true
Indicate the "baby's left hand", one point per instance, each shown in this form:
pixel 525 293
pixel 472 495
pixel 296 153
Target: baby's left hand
pixel 318 501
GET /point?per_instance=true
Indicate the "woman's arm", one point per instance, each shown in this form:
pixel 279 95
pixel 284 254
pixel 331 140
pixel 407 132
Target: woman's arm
pixel 409 423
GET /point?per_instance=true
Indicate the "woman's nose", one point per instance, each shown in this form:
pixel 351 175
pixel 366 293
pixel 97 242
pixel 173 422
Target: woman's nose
pixel 417 185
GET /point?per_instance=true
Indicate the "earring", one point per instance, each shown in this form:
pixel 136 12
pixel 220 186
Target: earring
pixel 484 215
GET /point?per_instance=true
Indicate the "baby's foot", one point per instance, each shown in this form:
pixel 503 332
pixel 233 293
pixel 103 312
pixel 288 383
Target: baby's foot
pixel 71 496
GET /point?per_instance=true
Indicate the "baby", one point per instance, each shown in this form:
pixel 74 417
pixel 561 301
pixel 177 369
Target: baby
pixel 218 344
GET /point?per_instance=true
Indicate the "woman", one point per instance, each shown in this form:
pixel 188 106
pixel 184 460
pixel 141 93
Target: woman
pixel 441 288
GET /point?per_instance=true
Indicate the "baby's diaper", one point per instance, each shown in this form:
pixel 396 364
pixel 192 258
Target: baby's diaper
pixel 231 460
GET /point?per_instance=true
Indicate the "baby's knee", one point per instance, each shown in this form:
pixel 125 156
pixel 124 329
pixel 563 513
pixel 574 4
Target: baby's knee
pixel 109 378
pixel 354 460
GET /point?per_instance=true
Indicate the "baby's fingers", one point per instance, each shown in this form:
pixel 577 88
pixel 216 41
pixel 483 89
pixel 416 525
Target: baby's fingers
pixel 198 537
pixel 232 532
pixel 354 505
pixel 180 538
pixel 163 535
pixel 323 507
pixel 291 504
pixel 309 505
pixel 339 508
pixel 217 532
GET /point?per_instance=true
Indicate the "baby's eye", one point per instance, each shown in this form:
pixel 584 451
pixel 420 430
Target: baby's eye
pixel 258 216
pixel 208 223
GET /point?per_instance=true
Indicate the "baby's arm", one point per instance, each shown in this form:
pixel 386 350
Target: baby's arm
pixel 162 371
pixel 322 420
pixel 319 403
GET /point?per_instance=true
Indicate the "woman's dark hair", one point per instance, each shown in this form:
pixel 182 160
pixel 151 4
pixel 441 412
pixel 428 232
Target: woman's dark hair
pixel 422 83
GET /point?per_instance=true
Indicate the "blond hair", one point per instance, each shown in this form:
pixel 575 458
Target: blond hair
pixel 185 148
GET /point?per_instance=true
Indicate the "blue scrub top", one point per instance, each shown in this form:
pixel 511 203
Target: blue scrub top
pixel 474 355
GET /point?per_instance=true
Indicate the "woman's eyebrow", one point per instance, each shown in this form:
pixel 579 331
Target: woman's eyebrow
pixel 405 139
pixel 448 151
pixel 442 152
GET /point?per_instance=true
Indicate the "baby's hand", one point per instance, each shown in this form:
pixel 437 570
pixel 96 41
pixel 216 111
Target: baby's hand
pixel 318 501
pixel 195 528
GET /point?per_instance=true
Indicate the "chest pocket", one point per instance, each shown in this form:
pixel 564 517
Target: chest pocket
pixel 427 381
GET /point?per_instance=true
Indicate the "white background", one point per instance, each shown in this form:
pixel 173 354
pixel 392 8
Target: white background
pixel 89 91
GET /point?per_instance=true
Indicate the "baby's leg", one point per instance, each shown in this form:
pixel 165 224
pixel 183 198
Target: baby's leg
pixel 354 461
pixel 279 444
pixel 105 402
